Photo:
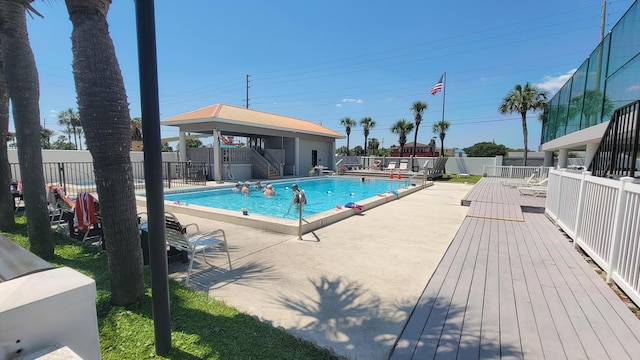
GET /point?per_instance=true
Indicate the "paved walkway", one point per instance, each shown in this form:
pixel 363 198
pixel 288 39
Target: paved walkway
pixel 349 286
pixel 512 288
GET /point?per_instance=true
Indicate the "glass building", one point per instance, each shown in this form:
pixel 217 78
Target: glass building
pixel 609 78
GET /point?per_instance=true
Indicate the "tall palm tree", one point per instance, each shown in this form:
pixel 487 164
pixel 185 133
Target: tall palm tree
pixel 64 119
pixel 21 76
pixel 136 129
pixel 45 137
pixel 418 107
pixel 104 113
pixel 367 124
pixel 373 144
pixel 402 127
pixel 7 218
pixel 441 128
pixel 522 99
pixel 348 123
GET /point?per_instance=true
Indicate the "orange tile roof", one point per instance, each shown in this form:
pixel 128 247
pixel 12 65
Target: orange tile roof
pixel 250 117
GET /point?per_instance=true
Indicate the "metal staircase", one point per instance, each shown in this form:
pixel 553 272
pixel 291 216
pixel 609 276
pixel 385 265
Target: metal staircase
pixel 617 154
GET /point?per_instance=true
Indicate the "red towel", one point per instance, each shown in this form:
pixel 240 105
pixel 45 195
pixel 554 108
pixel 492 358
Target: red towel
pixel 85 212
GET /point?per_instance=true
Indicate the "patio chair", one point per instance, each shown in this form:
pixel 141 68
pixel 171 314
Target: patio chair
pixel 179 237
pixel 534 190
pixel 376 165
pixel 86 218
pixel 391 166
pixel 404 166
pixel 520 182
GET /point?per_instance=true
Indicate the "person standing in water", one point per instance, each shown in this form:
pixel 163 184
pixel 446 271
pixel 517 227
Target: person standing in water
pixel 298 195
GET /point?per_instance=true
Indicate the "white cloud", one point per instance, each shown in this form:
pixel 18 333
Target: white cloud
pixel 553 83
pixel 357 101
pixel 338 105
pixel 633 88
pixel 53 112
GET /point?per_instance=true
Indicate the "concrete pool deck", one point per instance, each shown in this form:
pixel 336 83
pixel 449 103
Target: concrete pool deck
pixel 349 286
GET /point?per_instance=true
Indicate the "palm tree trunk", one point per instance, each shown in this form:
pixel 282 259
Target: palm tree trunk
pixel 21 77
pixel 7 220
pixel 525 134
pixel 365 146
pixel 103 108
pixel 348 143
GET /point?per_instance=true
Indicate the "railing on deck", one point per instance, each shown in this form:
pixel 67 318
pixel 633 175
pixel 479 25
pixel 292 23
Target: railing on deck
pixel 601 216
pixel 617 154
pixel 517 172
pixel 79 177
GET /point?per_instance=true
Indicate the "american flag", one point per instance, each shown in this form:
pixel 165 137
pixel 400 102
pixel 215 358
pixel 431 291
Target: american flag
pixel 438 86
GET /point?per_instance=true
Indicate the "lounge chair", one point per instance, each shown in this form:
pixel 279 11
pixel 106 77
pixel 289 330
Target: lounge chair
pixel 179 237
pixel 376 165
pixel 520 182
pixel 534 190
pixel 86 219
pixel 391 166
pixel 404 166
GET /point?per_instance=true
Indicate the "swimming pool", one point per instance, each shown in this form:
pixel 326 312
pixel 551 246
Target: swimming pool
pixel 227 207
pixel 322 194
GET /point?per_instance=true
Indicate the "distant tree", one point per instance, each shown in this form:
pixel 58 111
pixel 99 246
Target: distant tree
pixel 45 137
pixel 348 123
pixel 486 149
pixel 136 129
pixel 522 99
pixel 357 151
pixel 71 119
pixel 402 128
pixel 367 124
pixel 418 107
pixel 166 147
pixel 11 137
pixel 61 143
pixel 441 128
pixel 193 143
pixel 342 150
pixel 373 145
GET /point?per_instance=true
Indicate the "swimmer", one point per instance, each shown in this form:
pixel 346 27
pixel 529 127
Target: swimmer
pixel 268 191
pixel 238 187
pixel 298 195
pixel 245 188
pixel 258 185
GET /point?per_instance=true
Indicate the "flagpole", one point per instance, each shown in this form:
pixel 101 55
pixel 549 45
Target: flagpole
pixel 444 92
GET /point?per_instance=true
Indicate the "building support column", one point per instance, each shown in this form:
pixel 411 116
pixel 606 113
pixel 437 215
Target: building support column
pixel 217 157
pixel 563 154
pixel 296 151
pixel 548 159
pixel 592 148
pixel 332 154
pixel 182 146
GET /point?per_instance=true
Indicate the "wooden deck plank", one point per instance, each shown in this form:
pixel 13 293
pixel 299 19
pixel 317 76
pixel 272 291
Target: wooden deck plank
pixel 410 337
pixel 515 289
pixel 530 340
pixel 603 310
pixel 510 345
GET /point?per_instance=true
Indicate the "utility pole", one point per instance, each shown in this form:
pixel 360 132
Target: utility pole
pixel 602 22
pixel 247 91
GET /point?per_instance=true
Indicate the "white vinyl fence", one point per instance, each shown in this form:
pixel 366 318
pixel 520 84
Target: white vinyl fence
pixel 517 172
pixel 602 216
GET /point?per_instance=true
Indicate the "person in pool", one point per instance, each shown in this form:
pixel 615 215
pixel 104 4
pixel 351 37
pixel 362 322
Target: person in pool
pixel 268 191
pixel 238 187
pixel 245 188
pixel 258 185
pixel 298 195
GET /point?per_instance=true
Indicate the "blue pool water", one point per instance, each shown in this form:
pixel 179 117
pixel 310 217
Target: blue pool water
pixel 322 194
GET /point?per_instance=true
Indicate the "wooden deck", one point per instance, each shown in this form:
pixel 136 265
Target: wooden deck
pixel 491 190
pixel 516 289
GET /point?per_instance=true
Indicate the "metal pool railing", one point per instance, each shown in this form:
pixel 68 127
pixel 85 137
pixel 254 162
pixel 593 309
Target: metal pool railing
pixel 79 176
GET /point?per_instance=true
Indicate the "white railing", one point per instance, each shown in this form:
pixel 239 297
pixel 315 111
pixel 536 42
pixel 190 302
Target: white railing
pixel 602 216
pixel 517 172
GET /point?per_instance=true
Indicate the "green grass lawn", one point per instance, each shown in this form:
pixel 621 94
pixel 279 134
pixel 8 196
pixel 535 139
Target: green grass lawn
pixel 471 179
pixel 202 328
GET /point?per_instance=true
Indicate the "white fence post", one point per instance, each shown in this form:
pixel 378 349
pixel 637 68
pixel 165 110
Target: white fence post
pixel 510 171
pixel 558 212
pixel 617 227
pixel 578 223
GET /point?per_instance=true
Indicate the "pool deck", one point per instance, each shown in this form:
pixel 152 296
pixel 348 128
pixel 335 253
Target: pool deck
pixel 424 277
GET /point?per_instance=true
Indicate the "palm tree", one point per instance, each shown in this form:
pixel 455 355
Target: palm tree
pixel 65 119
pixel 367 124
pixel 522 99
pixel 45 137
pixel 373 144
pixel 348 123
pixel 104 113
pixel 7 218
pixel 136 129
pixel 418 107
pixel 402 127
pixel 441 128
pixel 21 76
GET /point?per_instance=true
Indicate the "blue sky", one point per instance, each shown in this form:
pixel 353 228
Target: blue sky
pixel 322 61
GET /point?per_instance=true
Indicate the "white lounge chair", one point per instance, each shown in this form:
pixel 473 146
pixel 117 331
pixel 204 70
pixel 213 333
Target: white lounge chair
pixel 404 166
pixel 539 189
pixel 519 182
pixel 178 237
pixel 391 166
